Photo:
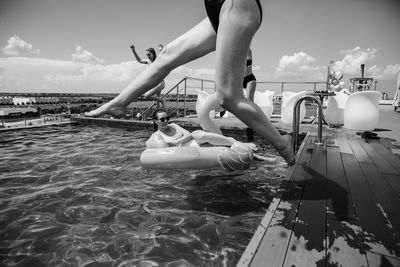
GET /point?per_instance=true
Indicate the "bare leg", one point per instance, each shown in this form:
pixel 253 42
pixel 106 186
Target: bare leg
pixel 239 20
pixel 215 139
pixel 203 137
pixel 154 94
pixel 158 99
pixel 251 89
pixel 195 43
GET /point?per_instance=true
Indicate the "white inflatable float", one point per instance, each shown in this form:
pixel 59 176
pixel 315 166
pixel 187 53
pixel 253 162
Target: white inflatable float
pixel 231 158
pixel 237 157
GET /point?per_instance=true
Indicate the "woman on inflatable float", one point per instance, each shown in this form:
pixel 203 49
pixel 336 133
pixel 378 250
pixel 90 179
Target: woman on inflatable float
pixel 173 147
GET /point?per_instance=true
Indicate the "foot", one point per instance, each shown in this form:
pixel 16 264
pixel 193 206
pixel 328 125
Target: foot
pixel 252 146
pixel 109 108
pixel 287 153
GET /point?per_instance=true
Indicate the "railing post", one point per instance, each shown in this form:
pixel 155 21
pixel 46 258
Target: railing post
pixel 177 100
pixel 296 120
pixel 184 103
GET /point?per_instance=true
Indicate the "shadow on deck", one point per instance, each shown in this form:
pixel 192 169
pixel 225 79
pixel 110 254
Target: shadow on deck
pixel 339 207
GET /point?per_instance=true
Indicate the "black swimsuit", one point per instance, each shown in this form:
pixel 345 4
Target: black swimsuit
pixel 213 8
pixel 249 77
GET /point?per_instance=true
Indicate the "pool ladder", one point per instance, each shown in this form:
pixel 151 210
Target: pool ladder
pixel 296 120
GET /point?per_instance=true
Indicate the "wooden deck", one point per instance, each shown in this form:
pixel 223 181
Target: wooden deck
pixel 339 207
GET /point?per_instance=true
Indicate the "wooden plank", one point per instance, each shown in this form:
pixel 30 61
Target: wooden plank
pixel 388 155
pixel 387 199
pixel 272 248
pixel 378 238
pixel 344 247
pixel 375 259
pixel 344 145
pixel 255 241
pixel 394 181
pixel 307 242
pixel 378 159
pixel 331 141
pixel 358 151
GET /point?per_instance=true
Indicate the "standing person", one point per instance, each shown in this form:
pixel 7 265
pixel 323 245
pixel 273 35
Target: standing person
pixel 228 30
pixel 396 99
pixel 249 80
pixel 249 83
pixel 153 94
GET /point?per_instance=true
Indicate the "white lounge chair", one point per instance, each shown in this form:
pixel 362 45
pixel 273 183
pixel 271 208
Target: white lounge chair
pixel 201 95
pixel 263 99
pixel 362 111
pixel 334 113
pixel 288 101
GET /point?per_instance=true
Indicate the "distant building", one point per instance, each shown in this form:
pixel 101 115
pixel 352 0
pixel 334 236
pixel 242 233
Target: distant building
pixel 20 101
pixel 35 100
pixel 17 113
pixel 6 100
pixel 47 100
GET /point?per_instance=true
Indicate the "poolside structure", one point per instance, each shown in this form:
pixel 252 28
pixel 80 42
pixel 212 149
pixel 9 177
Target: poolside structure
pixel 361 83
pixel 338 207
pixel 339 204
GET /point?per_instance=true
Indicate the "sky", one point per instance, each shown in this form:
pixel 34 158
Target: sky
pixel 82 46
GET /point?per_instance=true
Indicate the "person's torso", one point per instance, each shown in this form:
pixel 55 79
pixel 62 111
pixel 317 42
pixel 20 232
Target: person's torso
pixel 173 137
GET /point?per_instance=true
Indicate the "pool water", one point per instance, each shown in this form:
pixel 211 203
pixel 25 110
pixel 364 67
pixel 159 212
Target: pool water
pixel 77 196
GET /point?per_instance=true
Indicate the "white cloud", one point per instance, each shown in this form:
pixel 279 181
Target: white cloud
pixel 83 55
pixel 299 66
pixel 298 59
pixel 121 72
pixel 350 65
pixel 45 75
pixel 390 72
pixel 18 47
pixel 353 58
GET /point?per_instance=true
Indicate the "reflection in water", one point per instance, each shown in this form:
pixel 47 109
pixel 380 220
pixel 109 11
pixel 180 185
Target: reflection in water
pixel 78 196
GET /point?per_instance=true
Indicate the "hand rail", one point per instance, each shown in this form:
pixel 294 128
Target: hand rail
pixel 296 120
pixel 142 116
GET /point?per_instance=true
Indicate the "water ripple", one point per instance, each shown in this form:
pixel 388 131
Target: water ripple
pixel 77 196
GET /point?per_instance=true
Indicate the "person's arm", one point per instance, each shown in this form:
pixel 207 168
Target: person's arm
pixel 186 135
pixel 138 58
pixel 156 141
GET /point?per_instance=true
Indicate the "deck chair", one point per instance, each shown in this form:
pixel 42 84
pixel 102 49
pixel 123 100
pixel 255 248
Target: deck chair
pixel 362 111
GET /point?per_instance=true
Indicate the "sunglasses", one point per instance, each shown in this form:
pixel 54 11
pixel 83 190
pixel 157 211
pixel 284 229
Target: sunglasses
pixel 164 119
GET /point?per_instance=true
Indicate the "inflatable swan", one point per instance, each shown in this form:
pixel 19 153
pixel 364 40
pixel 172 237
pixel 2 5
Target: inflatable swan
pixel 236 157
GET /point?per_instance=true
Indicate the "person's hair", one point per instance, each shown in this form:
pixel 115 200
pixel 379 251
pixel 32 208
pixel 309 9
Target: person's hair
pixel 152 51
pixel 160 110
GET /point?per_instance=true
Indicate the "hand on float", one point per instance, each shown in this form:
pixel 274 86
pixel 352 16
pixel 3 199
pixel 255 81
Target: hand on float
pixel 172 143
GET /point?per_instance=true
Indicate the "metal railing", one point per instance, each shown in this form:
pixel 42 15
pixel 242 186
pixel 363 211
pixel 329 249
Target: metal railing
pixel 316 86
pixel 179 92
pixel 296 120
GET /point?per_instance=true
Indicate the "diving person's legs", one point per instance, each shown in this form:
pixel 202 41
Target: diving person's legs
pixel 195 43
pixel 239 20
